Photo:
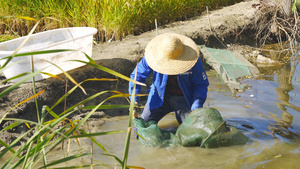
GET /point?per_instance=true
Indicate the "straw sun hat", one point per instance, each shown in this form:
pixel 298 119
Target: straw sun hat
pixel 171 53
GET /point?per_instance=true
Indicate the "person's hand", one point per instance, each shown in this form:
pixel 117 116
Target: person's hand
pixel 135 110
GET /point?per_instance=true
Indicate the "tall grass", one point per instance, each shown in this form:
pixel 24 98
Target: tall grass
pixel 113 18
pixel 48 135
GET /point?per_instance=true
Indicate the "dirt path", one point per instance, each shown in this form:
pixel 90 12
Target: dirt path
pixel 229 24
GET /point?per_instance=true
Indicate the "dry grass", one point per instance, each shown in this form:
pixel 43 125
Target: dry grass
pixel 283 28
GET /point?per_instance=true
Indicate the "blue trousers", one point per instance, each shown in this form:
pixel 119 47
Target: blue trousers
pixel 176 104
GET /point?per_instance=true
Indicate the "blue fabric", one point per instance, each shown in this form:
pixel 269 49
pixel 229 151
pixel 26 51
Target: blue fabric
pixel 193 84
pixel 176 104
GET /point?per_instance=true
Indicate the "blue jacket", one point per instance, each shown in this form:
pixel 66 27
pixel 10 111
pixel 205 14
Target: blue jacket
pixel 193 84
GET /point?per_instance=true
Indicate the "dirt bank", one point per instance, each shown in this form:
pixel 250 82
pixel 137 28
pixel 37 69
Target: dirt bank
pixel 233 24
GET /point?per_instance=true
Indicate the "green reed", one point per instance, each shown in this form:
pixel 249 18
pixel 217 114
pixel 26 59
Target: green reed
pixel 113 18
pixel 48 135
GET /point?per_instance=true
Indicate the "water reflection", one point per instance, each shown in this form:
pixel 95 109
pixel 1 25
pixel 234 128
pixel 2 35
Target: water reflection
pixel 285 85
pixel 282 125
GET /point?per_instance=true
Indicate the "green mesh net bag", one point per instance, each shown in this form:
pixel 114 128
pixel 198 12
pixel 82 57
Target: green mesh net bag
pixel 203 127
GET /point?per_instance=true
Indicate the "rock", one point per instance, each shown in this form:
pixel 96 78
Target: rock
pixel 261 59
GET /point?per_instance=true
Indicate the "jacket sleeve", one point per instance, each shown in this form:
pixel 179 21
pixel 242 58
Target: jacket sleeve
pixel 143 71
pixel 199 84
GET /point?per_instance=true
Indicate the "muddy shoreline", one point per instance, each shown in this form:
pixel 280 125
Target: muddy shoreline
pixel 233 24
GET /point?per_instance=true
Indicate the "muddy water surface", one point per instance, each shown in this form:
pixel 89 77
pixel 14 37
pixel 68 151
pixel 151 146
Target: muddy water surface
pixel 267 113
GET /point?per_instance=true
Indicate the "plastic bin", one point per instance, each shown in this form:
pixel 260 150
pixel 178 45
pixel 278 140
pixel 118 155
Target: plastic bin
pixel 76 38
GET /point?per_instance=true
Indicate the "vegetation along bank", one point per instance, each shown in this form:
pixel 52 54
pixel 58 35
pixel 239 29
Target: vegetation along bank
pixel 114 19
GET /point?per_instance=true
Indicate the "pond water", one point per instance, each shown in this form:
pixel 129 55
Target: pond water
pixel 268 113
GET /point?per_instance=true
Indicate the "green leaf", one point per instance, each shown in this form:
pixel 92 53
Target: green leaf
pixel 21 45
pixel 38 53
pixel 105 107
pixel 14 86
pixel 6 146
pixel 11 126
pixel 98 134
pixel 111 72
pixel 79 166
pixel 65 159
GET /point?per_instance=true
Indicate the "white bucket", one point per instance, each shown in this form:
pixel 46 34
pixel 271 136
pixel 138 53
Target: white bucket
pixel 76 38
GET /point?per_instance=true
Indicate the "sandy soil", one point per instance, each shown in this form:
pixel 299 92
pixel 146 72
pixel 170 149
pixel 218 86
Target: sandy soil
pixel 233 24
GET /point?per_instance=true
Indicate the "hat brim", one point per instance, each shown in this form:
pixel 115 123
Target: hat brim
pixel 164 65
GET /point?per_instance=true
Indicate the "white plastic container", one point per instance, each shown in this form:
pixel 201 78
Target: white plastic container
pixel 76 38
